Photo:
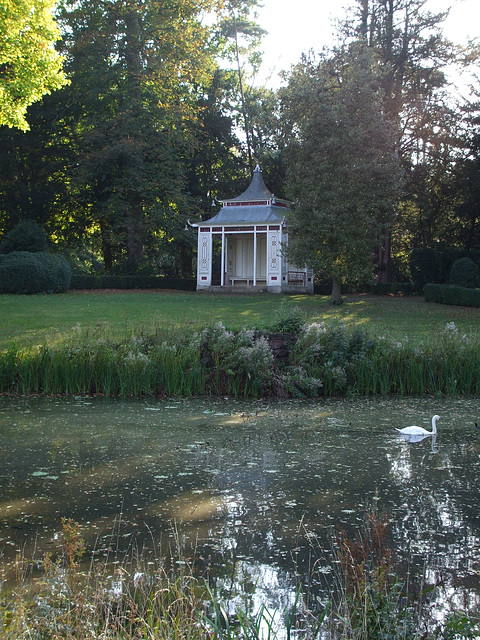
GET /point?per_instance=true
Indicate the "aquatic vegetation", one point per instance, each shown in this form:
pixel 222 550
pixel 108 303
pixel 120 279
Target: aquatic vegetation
pixel 167 598
pixel 239 363
pixel 323 359
pixel 356 363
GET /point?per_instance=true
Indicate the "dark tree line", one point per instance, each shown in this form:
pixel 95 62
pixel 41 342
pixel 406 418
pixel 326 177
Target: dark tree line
pixel 142 138
pixel 423 125
pixel 151 129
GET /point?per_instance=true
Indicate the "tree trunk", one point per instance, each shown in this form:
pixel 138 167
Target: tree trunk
pixel 384 258
pixel 364 14
pixel 336 295
pixel 106 249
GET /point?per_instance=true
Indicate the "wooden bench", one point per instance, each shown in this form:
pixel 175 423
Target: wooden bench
pixel 246 281
pixel 297 277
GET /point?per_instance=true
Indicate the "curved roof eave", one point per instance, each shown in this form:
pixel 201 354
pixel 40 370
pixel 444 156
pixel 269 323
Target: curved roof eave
pixel 253 214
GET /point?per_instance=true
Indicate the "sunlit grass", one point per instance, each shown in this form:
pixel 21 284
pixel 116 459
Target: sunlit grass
pixel 30 320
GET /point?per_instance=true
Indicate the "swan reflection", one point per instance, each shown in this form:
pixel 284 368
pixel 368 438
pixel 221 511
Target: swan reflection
pixel 419 438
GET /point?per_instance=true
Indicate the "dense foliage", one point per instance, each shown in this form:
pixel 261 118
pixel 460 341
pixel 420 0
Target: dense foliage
pixel 29 65
pixel 323 359
pixel 26 236
pixel 25 272
pixel 152 128
pixel 464 273
pixel 343 171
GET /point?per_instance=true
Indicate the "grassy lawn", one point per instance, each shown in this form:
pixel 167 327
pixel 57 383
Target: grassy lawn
pixel 49 319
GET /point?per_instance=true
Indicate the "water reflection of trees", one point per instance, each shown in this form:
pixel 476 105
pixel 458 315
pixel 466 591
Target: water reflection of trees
pixel 258 493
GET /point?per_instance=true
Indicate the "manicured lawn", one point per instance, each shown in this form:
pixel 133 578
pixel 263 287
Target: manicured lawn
pixel 30 320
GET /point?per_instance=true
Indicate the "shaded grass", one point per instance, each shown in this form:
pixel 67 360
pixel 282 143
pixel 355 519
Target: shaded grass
pixel 32 320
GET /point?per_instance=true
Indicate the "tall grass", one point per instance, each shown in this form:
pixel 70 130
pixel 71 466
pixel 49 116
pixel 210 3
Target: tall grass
pixel 353 362
pixel 113 600
pixel 135 367
pixel 166 599
pixel 324 359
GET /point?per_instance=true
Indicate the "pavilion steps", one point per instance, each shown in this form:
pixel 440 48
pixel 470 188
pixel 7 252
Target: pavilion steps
pixel 239 288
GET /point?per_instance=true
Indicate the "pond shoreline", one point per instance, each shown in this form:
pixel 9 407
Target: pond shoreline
pixel 290 360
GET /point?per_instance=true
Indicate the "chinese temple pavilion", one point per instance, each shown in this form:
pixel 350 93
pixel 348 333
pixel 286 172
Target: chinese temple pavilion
pixel 240 248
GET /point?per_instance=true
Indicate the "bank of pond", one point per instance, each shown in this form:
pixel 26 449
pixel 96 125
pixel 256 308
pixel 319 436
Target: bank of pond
pixel 293 360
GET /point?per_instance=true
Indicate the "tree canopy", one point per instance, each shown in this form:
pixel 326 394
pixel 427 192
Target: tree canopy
pixel 30 67
pixel 343 171
pixel 162 115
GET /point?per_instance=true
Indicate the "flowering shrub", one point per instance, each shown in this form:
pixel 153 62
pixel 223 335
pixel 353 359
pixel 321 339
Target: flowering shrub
pixel 296 383
pixel 242 363
pixel 288 320
pixel 328 351
pixel 323 358
pixel 237 362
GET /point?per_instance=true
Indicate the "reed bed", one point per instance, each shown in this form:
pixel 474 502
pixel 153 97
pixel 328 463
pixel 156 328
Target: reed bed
pixel 167 598
pixel 323 359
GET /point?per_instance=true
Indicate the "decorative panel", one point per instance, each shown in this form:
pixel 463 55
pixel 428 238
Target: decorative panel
pixel 204 259
pixel 274 252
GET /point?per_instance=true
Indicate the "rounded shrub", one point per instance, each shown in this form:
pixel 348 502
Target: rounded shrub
pixel 464 273
pixel 20 272
pixel 56 272
pixel 26 236
pixel 26 272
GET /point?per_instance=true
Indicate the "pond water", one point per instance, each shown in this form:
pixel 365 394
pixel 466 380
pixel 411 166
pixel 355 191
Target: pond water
pixel 256 487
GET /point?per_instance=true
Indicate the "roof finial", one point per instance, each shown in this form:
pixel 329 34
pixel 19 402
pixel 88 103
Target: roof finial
pixel 257 166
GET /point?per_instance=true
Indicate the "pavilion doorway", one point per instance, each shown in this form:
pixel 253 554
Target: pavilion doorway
pixel 216 261
pixel 242 263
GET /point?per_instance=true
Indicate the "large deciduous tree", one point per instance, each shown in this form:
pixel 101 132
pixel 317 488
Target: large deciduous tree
pixel 134 68
pixel 30 66
pixel 343 170
pixel 242 36
pixel 465 183
pixel 412 55
pixel 145 135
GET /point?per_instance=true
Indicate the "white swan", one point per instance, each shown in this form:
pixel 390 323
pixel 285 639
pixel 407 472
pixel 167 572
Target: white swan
pixel 419 431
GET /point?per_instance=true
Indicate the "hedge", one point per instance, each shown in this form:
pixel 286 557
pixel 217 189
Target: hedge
pixel 25 272
pixel 379 288
pixel 81 281
pixel 451 294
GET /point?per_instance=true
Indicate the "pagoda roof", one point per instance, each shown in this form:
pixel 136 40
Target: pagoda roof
pixel 249 214
pixel 256 205
pixel 257 190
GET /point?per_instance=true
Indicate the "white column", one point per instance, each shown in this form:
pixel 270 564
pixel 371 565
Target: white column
pixel 254 256
pixel 274 271
pixel 226 260
pixel 222 275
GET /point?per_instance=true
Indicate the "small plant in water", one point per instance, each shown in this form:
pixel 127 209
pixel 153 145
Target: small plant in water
pixel 72 545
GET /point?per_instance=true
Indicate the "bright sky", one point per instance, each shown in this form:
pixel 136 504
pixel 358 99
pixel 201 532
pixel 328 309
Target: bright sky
pixel 296 26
